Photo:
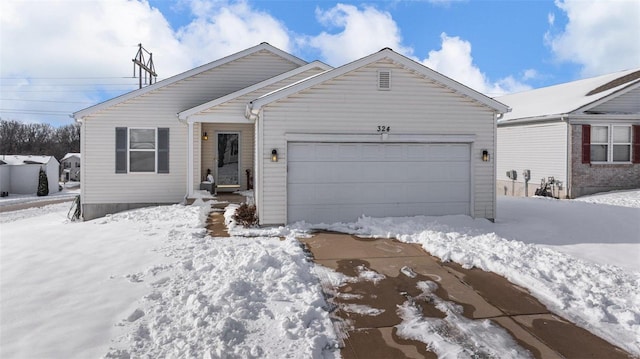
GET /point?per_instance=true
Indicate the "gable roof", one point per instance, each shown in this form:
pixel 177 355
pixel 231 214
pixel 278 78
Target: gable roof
pixel 69 155
pixel 15 160
pixel 569 98
pixel 255 105
pixel 200 69
pixel 184 115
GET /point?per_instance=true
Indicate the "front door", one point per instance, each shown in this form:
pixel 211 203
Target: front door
pixel 227 160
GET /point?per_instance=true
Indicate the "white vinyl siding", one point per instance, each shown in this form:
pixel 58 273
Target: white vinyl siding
pixel 626 103
pixel 540 148
pixel 233 111
pixel 156 109
pixel 352 104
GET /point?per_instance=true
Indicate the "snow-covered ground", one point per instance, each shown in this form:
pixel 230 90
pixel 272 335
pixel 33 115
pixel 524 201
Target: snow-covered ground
pixel 70 190
pixel 151 283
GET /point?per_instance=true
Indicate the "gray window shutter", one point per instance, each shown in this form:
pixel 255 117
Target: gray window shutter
pixel 163 150
pixel 121 150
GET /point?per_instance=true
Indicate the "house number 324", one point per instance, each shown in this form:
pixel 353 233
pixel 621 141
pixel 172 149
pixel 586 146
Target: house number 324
pixel 384 129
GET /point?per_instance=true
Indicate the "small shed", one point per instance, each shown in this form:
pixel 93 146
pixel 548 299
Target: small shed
pixel 20 174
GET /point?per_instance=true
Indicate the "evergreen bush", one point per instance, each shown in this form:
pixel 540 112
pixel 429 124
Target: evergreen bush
pixel 43 183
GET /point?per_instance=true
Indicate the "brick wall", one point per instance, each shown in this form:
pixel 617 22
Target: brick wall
pixel 592 178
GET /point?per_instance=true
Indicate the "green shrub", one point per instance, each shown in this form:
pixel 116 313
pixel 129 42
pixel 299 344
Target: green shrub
pixel 43 183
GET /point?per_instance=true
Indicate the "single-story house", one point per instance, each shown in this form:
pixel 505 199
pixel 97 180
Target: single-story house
pixel 585 134
pixel 21 174
pixel 70 164
pixel 380 136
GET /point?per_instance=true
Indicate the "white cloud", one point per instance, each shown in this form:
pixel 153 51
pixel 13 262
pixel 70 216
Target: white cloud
pixel 66 55
pixel 529 74
pixel 222 28
pixel 551 18
pixel 362 32
pixel 70 39
pixel 602 36
pixel 455 61
pixel 69 50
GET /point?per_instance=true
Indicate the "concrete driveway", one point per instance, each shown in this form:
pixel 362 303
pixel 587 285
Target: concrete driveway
pixel 482 295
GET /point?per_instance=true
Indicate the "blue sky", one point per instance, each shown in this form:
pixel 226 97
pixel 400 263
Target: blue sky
pixel 59 56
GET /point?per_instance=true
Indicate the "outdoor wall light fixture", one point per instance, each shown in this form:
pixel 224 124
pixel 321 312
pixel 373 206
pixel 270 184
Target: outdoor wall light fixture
pixel 274 155
pixel 204 136
pixel 485 156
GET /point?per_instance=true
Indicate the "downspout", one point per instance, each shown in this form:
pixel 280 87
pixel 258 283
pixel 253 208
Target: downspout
pixel 249 114
pixel 189 155
pixel 568 157
pixel 82 162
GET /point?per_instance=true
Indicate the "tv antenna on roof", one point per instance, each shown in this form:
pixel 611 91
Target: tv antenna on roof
pixel 147 66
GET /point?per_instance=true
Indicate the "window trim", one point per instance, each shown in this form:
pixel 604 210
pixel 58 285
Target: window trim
pixel 610 143
pixel 162 150
pixel 154 150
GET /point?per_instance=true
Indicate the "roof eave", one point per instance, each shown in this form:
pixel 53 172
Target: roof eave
pixel 184 115
pixel 495 105
pixel 171 80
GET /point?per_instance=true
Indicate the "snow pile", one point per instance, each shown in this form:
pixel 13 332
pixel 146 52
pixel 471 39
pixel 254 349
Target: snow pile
pixel 233 298
pixel 151 283
pixel 616 198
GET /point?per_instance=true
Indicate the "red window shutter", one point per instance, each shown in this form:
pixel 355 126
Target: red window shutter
pixel 586 143
pixel 636 143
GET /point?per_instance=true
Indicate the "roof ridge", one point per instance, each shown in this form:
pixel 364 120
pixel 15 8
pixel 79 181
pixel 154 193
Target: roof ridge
pixel 615 83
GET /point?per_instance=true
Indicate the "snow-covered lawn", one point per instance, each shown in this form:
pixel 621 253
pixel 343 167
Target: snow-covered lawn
pixel 151 283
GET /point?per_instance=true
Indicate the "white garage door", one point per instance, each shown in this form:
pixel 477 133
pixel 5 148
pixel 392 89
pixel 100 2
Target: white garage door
pixel 338 182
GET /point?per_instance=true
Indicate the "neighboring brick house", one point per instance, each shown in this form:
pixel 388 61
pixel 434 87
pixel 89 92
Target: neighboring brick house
pixel 585 134
pixel 70 167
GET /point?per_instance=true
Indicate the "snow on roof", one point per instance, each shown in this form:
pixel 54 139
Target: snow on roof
pixel 567 97
pixel 24 160
pixel 70 154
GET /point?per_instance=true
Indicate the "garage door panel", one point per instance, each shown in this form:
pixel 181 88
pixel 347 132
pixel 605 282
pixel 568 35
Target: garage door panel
pixel 438 192
pixel 371 151
pixel 330 182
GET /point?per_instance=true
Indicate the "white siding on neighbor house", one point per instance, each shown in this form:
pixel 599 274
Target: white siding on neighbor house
pixel 208 149
pixel 352 104
pixel 540 148
pixel 626 103
pixel 158 108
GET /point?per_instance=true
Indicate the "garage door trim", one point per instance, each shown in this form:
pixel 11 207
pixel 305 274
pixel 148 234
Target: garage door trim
pixel 397 139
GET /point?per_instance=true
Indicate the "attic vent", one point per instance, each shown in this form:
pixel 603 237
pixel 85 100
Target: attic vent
pixel 384 80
